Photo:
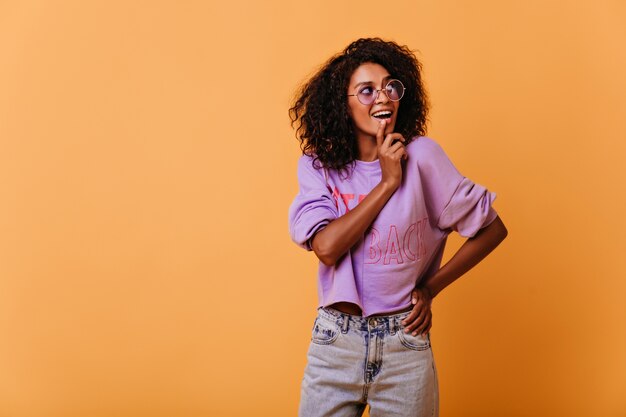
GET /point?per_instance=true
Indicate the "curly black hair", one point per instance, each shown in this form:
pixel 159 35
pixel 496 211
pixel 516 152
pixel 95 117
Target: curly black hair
pixel 325 129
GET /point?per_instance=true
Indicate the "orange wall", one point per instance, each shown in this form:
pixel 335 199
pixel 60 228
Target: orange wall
pixel 147 165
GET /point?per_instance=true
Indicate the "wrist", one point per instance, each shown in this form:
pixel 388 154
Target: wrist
pixel 388 187
pixel 429 292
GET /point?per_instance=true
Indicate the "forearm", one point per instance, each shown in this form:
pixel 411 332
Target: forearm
pixel 332 242
pixel 471 253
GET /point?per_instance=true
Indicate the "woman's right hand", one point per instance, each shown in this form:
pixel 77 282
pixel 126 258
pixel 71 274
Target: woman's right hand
pixel 390 156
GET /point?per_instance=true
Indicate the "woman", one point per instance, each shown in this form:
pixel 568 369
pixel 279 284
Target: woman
pixel 377 201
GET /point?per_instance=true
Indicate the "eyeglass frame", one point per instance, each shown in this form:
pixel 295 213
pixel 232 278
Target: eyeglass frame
pixel 381 89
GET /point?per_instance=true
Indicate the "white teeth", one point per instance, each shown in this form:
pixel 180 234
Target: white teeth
pixel 381 113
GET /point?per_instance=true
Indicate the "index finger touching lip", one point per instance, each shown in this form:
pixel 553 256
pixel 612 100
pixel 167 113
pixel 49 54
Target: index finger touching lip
pixel 381 131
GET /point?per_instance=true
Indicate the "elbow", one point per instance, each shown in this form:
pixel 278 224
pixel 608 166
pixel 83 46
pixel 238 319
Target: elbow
pixel 501 230
pixel 326 257
pixel 326 260
pixel 495 232
pixel 323 252
pixel 500 237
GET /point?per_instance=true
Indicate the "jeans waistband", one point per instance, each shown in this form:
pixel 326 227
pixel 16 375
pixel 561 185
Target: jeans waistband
pixel 391 322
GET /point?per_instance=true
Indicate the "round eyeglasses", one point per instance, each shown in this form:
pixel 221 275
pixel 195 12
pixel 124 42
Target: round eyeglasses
pixel 367 94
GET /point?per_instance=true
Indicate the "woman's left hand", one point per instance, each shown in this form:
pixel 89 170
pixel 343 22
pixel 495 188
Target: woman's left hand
pixel 420 319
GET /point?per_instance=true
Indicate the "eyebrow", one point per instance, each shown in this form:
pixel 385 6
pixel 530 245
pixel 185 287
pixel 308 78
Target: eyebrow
pixel 371 82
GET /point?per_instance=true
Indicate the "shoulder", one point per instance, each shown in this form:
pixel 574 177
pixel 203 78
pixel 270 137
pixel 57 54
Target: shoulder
pixel 306 162
pixel 310 167
pixel 305 159
pixel 430 157
pixel 423 147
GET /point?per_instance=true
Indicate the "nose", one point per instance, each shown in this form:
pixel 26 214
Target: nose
pixel 381 96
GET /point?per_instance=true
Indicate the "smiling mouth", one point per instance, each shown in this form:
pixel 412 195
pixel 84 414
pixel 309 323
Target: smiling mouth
pixel 382 115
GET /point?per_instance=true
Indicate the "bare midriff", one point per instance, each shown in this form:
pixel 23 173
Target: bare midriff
pixel 355 310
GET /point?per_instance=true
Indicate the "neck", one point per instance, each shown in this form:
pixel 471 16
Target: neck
pixel 368 150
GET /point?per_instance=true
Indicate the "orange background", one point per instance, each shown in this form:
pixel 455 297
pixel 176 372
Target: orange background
pixel 147 165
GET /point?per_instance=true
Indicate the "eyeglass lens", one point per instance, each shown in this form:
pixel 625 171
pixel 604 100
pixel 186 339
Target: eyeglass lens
pixel 394 91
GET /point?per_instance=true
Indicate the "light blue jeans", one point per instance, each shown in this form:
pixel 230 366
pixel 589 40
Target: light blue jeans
pixel 354 361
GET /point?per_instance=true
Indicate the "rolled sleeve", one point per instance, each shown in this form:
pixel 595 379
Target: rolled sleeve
pixel 314 206
pixel 469 209
pixel 455 202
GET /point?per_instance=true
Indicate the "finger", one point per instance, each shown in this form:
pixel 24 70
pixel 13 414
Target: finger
pixel 398 138
pixel 420 329
pixel 421 321
pixel 425 325
pixel 412 315
pixel 390 138
pixel 413 328
pixel 415 312
pixel 396 149
pixel 430 325
pixel 416 323
pixel 380 133
pixel 417 298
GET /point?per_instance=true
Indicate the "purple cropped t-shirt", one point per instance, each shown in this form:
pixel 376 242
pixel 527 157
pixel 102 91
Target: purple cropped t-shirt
pixel 405 243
